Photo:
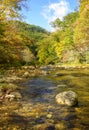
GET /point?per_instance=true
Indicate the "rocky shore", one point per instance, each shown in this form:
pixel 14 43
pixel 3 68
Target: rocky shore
pixel 9 80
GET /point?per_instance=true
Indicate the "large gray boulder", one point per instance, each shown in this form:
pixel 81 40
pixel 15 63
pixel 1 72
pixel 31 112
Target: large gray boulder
pixel 68 98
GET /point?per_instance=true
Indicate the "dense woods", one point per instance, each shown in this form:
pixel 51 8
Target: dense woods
pixel 22 43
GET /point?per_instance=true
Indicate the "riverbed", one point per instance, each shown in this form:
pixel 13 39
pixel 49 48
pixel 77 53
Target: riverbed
pixel 38 109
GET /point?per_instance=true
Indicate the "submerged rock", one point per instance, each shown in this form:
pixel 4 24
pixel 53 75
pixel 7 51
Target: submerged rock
pixel 49 115
pixel 44 72
pixel 68 98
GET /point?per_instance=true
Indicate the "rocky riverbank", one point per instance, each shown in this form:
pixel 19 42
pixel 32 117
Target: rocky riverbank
pixel 9 80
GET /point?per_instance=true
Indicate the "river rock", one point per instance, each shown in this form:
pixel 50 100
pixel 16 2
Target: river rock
pixel 17 95
pixel 10 97
pixel 1 95
pixel 10 79
pixel 68 98
pixel 26 74
pixel 13 96
pixel 44 72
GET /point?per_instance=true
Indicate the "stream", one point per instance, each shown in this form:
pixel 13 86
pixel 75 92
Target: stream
pixel 38 109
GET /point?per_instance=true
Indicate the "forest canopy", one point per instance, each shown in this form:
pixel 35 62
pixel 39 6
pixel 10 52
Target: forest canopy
pixel 22 43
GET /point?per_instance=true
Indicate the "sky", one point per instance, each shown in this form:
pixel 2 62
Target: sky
pixel 42 12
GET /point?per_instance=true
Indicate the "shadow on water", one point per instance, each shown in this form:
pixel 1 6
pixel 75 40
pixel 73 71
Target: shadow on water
pixel 40 90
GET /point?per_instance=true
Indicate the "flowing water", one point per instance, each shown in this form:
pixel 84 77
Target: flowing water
pixel 39 111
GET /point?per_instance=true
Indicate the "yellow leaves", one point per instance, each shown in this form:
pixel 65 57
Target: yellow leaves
pixel 84 5
pixel 60 48
pixel 81 35
pixel 9 2
pixel 9 9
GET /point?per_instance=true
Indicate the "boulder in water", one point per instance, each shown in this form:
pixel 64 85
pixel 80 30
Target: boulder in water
pixel 68 98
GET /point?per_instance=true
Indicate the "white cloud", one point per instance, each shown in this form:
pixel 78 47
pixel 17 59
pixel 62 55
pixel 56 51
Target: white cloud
pixel 56 10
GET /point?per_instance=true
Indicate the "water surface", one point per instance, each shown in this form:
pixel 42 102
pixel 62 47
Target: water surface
pixel 39 110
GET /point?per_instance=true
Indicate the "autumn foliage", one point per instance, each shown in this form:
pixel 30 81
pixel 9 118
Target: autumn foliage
pixel 22 43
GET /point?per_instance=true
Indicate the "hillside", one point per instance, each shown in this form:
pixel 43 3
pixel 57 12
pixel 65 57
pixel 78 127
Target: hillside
pixel 18 42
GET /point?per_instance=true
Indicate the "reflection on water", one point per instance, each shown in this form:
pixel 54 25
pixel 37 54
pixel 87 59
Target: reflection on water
pixel 39 111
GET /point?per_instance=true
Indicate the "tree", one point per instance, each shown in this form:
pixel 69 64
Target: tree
pixel 65 32
pixel 9 35
pixel 46 51
pixel 81 32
